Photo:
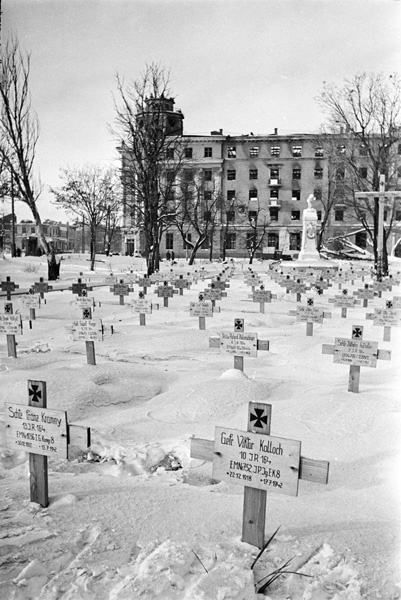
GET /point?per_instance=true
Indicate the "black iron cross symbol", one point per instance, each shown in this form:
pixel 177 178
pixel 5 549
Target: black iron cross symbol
pixel 8 308
pixel 84 293
pixel 239 324
pixel 310 302
pixel 262 287
pixel 141 295
pixel 345 292
pixel 389 304
pixel 201 297
pixel 357 333
pixel 35 393
pixel 260 418
pixel 86 313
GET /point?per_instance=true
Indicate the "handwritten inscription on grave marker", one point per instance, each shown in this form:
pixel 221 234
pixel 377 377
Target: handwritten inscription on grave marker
pixel 36 430
pixel 239 343
pixel 256 460
pixel 355 352
pixel 87 330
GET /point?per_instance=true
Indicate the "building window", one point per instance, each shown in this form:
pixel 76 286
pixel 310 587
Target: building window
pixel 319 215
pixel 296 173
pixel 207 174
pixel 254 151
pixel 23 230
pixel 253 173
pixel 170 153
pixel 295 241
pixel 275 150
pixel 363 151
pixel 274 193
pixel 339 214
pixel 208 152
pixel 206 243
pixel 319 152
pixel 232 152
pixel 398 215
pixel 318 173
pixel 317 192
pixel 253 194
pixel 230 216
pixel 296 195
pixel 188 175
pixel 230 195
pixel 385 215
pixel 207 195
pixel 207 215
pixel 295 215
pixel 399 149
pixel 273 213
pixel 188 152
pixel 297 150
pixel 274 173
pixel 252 215
pixel 231 239
pixel 363 172
pixel 169 241
pixel 272 240
pixel 231 174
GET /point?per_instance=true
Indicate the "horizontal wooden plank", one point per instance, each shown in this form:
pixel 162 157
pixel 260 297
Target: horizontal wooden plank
pixel 314 470
pixel 214 342
pixel 79 436
pixel 263 345
pixel 384 354
pixel 328 349
pixel 310 469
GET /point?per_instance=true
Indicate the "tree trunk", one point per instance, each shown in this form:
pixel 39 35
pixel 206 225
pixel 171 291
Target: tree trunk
pixel 93 249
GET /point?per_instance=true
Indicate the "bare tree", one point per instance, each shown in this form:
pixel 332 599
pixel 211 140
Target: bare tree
pixel 364 116
pixel 257 223
pixel 19 134
pixel 152 152
pixel 90 193
pixel 199 204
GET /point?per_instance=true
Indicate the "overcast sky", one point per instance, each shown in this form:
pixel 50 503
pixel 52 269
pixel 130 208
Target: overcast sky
pixel 239 65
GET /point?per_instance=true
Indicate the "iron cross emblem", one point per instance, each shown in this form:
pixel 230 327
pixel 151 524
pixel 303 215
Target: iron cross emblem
pixel 259 417
pixel 357 333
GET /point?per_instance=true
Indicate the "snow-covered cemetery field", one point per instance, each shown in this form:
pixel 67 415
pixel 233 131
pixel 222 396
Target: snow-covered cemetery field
pixel 153 507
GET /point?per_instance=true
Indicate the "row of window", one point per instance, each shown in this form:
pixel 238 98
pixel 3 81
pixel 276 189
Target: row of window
pixel 274 151
pixel 274 174
pixel 273 194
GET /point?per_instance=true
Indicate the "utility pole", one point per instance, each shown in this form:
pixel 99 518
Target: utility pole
pixel 381 197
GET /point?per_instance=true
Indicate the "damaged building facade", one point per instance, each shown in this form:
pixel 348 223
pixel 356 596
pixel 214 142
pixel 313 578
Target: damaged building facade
pixel 264 181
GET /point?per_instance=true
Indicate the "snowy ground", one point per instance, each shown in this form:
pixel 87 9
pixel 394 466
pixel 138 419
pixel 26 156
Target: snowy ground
pixel 122 524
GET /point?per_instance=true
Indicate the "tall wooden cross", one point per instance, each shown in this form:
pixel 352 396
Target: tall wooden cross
pixel 259 462
pixel 11 325
pixel 143 307
pixel 79 287
pixel 387 318
pixel 355 352
pixel 41 287
pixel 262 296
pixel 344 301
pixel 310 314
pixel 365 294
pixel 201 309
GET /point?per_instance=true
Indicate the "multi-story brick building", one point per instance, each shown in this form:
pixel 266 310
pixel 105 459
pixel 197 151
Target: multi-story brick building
pixel 263 177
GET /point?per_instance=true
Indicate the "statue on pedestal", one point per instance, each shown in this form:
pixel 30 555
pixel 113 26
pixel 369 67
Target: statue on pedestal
pixel 309 227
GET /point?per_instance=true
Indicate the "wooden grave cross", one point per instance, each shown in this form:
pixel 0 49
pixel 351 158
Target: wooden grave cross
pixel 88 330
pixel 385 317
pixel 165 291
pixel 212 293
pixel 238 343
pixel 396 301
pixel 297 287
pixel 11 325
pixel 41 287
pixel 262 296
pixel 8 286
pixel 259 462
pixel 201 309
pixel 219 283
pixel 79 287
pixel 144 282
pixel 344 301
pixel 121 289
pixel 181 283
pixel 252 279
pixel 310 314
pixel 42 433
pixel 382 286
pixel 365 294
pixel 355 352
pixel 143 307
pixel 31 301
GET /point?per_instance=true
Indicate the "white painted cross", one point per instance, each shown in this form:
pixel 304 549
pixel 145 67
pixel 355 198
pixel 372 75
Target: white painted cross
pixel 143 307
pixel 387 318
pixel 11 325
pixel 310 314
pixel 259 462
pixel 42 433
pixel 201 309
pixel 238 343
pixel 355 352
pixel 344 302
